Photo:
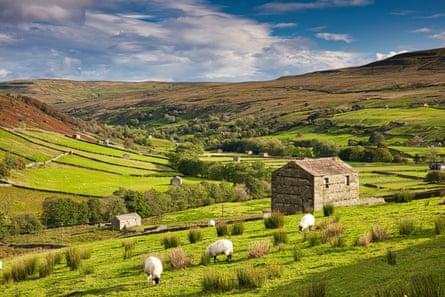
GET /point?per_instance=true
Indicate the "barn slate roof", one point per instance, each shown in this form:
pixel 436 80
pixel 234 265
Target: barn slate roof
pixel 128 216
pixel 324 166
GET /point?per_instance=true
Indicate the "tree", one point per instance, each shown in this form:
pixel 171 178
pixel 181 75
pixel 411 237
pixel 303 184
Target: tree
pixel 94 211
pixel 382 154
pixel 3 226
pixel 4 170
pixel 26 223
pixel 324 148
pixel 376 138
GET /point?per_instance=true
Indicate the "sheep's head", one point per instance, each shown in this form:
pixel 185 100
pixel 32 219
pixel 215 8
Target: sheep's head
pixel 156 280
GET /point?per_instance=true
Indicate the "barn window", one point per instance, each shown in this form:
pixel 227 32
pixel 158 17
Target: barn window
pixel 347 180
pixel 326 182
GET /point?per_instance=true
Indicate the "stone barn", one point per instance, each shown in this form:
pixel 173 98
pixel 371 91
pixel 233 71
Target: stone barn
pixel 125 221
pixel 306 184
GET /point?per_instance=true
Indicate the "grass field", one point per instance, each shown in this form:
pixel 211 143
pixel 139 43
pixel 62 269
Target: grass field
pixel 346 271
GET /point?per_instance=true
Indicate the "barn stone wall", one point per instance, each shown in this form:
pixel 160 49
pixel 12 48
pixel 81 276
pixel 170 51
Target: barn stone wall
pixel 336 191
pixel 292 190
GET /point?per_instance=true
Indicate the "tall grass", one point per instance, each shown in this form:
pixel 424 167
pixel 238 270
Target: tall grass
pixel 170 241
pixel 194 235
pixel 407 226
pixel 258 249
pixel 73 258
pixel 128 248
pixel 328 209
pixel 280 236
pixel 316 289
pixel 222 230
pixel 178 259
pixel 439 225
pixel 237 228
pixel 378 233
pixel 217 281
pixel 276 220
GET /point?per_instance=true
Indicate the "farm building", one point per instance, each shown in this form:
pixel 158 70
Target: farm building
pixel 437 166
pixel 176 180
pixel 125 221
pixel 306 184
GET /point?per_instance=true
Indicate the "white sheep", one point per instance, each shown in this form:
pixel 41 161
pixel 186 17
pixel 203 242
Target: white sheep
pixel 221 246
pixel 307 222
pixel 212 223
pixel 153 269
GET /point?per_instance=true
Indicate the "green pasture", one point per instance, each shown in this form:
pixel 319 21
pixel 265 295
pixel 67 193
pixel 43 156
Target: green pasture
pixel 90 147
pixel 346 271
pixel 100 165
pixel 71 179
pixel 13 143
pixel 421 151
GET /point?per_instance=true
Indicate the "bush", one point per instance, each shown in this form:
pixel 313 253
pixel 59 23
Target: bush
pixel 259 249
pixel 279 236
pixel 251 277
pixel 364 240
pixel 18 271
pixel 31 266
pixel 73 258
pixel 128 248
pixel 237 228
pixel 406 226
pixel 328 209
pixel 404 196
pixel 316 289
pixel 218 282
pixel 222 230
pixel 170 241
pixel 435 177
pixel 391 257
pixel 378 233
pixel 314 238
pixel 297 253
pixel 195 235
pixel 178 259
pixel 439 225
pixel 276 220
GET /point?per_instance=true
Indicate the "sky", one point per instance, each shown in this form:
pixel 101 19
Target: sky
pixel 207 40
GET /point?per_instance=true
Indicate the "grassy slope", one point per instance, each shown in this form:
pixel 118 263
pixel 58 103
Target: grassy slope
pixel 347 271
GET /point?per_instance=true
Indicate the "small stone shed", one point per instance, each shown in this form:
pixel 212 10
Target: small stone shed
pixel 125 221
pixel 176 180
pixel 309 183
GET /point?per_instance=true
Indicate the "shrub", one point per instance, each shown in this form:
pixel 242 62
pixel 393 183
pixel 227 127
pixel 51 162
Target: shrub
pixel 364 240
pixel 314 238
pixel 316 289
pixel 406 226
pixel 31 265
pixel 259 249
pixel 237 228
pixel 426 285
pixel 276 220
pixel 222 230
pixel 18 271
pixel 378 233
pixel 439 225
pixel 128 248
pixel 251 277
pixel 194 235
pixel 73 258
pixel 279 236
pixel 170 241
pixel 178 259
pixel 391 257
pixel 218 282
pixel 333 230
pixel 404 196
pixel 328 209
pixel 297 253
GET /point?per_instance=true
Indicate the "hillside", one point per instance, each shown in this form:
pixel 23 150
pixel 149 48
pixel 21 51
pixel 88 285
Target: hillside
pixel 282 104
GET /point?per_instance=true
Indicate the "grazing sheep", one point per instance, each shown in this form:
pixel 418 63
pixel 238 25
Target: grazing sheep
pixel 212 223
pixel 222 246
pixel 153 269
pixel 307 221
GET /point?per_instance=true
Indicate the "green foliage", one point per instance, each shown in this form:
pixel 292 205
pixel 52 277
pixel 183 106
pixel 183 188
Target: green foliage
pixel 222 230
pixel 297 253
pixel 324 148
pixel 439 225
pixel 406 226
pixel 128 248
pixel 26 223
pixel 237 228
pixel 4 230
pixel 391 257
pixel 378 233
pixel 194 235
pixel 4 170
pixel 14 162
pixel 276 220
pixel 404 196
pixel 73 258
pixel 219 282
pixel 382 154
pixel 328 209
pixel 435 177
pixel 251 277
pixel 134 201
pixel 94 211
pixel 315 289
pixel 427 285
pixel 170 241
pixel 63 212
pixel 280 236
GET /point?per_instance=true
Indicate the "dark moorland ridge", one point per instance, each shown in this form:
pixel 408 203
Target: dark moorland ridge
pixel 400 80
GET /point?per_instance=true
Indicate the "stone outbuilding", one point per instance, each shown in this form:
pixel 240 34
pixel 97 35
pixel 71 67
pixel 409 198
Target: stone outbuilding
pixel 308 184
pixel 125 221
pixel 176 180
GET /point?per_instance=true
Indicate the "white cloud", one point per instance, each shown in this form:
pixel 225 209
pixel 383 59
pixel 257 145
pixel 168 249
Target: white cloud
pixel 5 38
pixel 381 56
pixel 284 7
pixel 284 25
pixel 4 72
pixel 422 30
pixel 440 36
pixel 335 37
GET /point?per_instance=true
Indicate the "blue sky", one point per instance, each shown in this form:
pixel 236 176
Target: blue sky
pixel 214 40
